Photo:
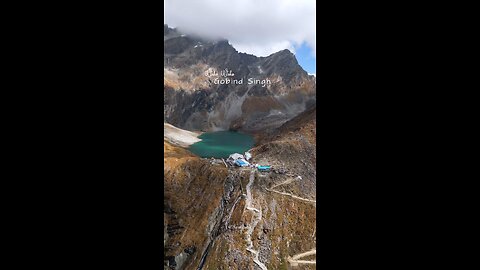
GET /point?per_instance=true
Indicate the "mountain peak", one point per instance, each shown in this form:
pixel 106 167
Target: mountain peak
pixel 285 51
pixel 285 54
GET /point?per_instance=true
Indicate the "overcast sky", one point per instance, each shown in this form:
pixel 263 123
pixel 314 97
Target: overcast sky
pixel 259 27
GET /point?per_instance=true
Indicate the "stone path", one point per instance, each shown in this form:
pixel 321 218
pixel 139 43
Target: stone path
pixel 257 217
pixel 294 260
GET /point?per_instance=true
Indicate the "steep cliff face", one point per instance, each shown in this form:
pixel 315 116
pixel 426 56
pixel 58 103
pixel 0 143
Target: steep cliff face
pixel 193 192
pixel 280 88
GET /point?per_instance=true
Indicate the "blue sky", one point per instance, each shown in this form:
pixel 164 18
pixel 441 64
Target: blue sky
pixel 305 58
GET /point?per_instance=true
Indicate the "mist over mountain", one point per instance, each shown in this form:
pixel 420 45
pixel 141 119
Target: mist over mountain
pixel 255 27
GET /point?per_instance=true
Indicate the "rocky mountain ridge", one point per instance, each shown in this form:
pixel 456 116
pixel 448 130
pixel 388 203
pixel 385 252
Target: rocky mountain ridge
pixel 194 101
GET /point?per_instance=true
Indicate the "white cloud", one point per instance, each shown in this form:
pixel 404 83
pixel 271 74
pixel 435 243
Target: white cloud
pixel 264 49
pixel 259 27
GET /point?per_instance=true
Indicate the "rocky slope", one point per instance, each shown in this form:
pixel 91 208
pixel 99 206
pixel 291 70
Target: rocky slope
pixel 179 137
pixel 193 192
pixel 220 218
pixel 237 218
pixel 194 101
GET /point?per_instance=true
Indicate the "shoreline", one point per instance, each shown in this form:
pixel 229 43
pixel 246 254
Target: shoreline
pixel 180 137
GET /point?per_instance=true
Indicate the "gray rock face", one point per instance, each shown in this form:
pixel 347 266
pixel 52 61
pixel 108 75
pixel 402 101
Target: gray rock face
pixel 279 91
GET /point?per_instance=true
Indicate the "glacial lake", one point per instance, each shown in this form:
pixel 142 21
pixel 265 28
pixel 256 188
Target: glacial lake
pixel 221 144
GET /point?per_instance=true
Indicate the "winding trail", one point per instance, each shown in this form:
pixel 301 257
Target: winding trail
pixel 288 181
pixel 293 196
pixel 294 260
pixel 257 214
pixel 284 183
pixel 257 217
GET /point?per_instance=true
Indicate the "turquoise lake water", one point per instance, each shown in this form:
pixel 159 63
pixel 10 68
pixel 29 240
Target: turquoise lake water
pixel 221 144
